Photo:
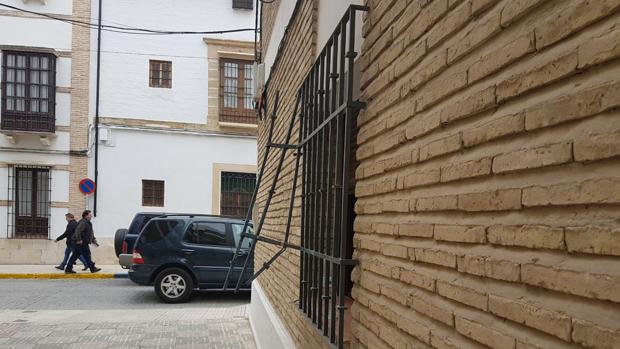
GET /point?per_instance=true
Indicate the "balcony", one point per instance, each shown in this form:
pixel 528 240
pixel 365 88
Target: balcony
pixel 26 123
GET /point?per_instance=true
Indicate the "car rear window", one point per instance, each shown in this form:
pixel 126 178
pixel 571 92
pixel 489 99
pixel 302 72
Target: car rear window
pixel 237 230
pixel 157 230
pixel 139 222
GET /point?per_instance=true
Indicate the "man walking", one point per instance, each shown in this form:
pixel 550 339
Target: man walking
pixel 82 237
pixel 71 225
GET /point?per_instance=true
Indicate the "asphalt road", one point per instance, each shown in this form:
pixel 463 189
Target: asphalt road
pixel 116 313
pixel 69 294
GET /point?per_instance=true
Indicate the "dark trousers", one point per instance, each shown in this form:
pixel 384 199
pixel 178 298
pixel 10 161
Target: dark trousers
pixel 80 250
pixel 68 252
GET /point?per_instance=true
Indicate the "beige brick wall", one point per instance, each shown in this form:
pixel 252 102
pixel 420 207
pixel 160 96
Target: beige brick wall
pixel 489 179
pixel 488 190
pixel 281 281
pixel 80 68
pixel 270 11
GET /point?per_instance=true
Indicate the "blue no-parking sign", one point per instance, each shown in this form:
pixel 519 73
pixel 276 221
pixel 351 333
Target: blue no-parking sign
pixel 87 186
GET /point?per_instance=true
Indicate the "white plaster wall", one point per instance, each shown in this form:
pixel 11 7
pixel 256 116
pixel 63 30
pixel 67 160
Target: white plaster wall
pixel 4 189
pixel 62 7
pixel 63 109
pixel 125 90
pixel 282 18
pixel 57 222
pixel 35 32
pixel 4 233
pixel 58 142
pixel 183 161
pixel 269 331
pixel 330 14
pixel 31 158
pixel 60 186
pixel 63 72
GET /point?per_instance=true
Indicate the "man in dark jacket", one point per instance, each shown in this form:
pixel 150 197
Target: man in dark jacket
pixel 82 237
pixel 71 225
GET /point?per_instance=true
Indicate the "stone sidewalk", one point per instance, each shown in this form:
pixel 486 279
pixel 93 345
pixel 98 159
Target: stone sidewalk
pixel 225 327
pixel 180 334
pixel 12 271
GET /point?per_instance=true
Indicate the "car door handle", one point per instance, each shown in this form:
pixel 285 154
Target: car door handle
pixel 187 251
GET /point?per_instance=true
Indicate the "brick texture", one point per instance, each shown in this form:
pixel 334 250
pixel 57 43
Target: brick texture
pixel 488 184
pixel 80 69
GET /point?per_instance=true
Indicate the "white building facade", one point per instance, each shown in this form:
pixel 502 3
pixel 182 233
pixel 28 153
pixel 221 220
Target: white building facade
pixel 162 131
pixel 44 125
pixel 167 141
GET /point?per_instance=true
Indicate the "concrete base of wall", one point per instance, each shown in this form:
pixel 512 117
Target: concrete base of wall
pixel 269 331
pixel 30 251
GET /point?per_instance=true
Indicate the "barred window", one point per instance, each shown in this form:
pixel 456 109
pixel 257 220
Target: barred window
pixel 236 91
pixel 243 4
pixel 152 193
pixel 160 74
pixel 29 202
pixel 28 91
pixel 237 190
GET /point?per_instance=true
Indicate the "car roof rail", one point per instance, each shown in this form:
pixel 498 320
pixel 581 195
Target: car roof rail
pixel 191 215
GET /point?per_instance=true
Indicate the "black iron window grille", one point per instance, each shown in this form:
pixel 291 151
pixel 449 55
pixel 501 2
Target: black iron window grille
pixel 237 91
pixel 236 193
pixel 28 91
pixel 326 112
pixel 243 4
pixel 30 206
pixel 153 193
pixel 160 74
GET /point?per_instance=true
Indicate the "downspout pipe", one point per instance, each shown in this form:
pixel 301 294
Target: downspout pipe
pixel 97 112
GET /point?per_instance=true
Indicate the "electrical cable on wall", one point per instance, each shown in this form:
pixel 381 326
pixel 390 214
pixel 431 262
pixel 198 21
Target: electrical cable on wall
pixel 126 30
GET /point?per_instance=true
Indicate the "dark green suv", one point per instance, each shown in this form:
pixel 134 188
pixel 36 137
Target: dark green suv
pixel 178 254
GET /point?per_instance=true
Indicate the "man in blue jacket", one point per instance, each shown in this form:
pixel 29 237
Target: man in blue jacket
pixel 71 225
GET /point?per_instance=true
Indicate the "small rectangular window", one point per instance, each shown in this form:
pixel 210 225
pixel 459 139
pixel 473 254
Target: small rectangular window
pixel 160 74
pixel 152 193
pixel 205 233
pixel 243 4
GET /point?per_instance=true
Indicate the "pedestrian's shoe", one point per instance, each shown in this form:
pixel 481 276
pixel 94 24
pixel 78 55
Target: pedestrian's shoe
pixel 69 272
pixel 59 267
pixel 95 269
pixel 85 268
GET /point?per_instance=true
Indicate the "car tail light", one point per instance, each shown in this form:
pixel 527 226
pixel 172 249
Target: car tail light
pixel 136 258
pixel 124 247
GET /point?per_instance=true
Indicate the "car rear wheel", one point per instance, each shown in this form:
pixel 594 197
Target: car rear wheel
pixel 174 285
pixel 119 237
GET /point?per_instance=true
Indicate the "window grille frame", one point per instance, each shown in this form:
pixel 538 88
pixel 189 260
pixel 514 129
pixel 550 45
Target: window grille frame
pixel 227 196
pixel 27 120
pixel 327 112
pixel 157 68
pixel 40 221
pixel 150 193
pixel 243 94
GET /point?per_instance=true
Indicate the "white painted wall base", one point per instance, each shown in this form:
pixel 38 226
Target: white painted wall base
pixel 269 331
pixel 31 251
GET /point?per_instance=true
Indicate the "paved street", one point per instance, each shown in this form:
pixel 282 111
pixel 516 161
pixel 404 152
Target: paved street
pixel 115 313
